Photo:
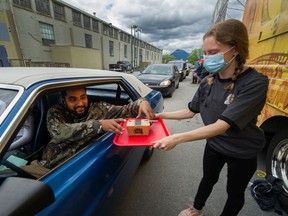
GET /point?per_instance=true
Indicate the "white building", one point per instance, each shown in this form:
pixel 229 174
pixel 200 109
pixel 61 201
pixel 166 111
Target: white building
pixel 54 33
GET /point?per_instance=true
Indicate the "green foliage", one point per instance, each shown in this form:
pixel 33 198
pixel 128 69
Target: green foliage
pixel 195 55
pixel 167 58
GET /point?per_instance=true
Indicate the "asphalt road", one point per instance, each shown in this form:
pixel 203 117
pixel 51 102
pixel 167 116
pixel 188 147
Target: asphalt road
pixel 167 183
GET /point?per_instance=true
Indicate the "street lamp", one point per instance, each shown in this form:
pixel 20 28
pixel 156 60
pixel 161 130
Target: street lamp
pixel 133 29
pixel 137 46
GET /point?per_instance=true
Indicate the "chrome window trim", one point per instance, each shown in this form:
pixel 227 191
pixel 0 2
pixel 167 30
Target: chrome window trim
pixel 47 87
pixel 20 90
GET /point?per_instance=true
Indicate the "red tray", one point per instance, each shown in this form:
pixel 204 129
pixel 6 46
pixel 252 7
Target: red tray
pixel 157 131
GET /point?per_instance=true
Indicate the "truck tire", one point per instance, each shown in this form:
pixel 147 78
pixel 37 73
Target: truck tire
pixel 277 161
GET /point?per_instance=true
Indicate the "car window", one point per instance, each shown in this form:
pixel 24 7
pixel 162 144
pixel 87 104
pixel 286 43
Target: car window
pixel 167 71
pixel 6 97
pixel 113 93
pixel 158 70
pixel 179 65
pixel 147 70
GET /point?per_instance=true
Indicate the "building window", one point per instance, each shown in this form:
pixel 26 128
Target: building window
pixel 42 6
pixel 126 38
pixel 105 29
pixel 111 48
pixel 47 34
pixel 115 34
pixel 88 41
pixel 95 25
pixel 110 32
pixel 59 11
pixel 87 22
pixel 23 3
pixel 76 18
pixel 125 51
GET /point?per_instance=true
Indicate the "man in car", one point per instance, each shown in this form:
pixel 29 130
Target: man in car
pixel 76 121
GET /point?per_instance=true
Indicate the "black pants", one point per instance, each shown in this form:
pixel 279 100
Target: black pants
pixel 239 174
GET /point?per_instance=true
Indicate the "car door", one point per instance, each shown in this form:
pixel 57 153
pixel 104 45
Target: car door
pixel 89 182
pixel 93 178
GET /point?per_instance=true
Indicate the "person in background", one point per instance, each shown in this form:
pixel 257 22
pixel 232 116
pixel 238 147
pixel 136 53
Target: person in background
pixel 197 74
pixel 229 101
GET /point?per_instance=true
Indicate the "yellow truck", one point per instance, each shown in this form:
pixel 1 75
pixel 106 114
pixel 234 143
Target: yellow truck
pixel 267 24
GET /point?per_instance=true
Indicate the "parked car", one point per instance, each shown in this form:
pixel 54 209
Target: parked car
pixel 181 65
pixel 161 77
pixel 92 180
pixel 122 66
pixel 188 69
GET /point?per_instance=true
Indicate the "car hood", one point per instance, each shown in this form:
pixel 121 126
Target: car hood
pixel 153 78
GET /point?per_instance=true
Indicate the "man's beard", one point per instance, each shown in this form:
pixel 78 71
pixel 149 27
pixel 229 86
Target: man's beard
pixel 79 115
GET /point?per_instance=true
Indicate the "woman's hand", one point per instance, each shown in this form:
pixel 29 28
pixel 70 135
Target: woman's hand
pixel 113 125
pixel 166 143
pixel 158 115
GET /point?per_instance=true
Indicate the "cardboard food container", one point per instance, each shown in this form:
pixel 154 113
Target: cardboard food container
pixel 138 127
pixel 157 130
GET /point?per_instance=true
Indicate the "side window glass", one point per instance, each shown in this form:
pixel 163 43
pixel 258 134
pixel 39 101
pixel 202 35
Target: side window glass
pixel 112 93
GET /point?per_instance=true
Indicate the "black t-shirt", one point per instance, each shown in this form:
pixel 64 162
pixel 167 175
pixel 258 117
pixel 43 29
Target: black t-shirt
pixel 238 107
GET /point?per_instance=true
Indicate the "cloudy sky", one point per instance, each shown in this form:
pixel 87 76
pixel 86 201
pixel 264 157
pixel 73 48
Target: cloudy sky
pixel 167 24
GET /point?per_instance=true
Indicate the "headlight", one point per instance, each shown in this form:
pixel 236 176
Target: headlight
pixel 165 83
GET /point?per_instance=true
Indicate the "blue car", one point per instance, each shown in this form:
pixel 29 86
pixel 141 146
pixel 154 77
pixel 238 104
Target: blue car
pixel 92 180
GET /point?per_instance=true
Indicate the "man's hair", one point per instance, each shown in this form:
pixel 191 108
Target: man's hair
pixel 64 92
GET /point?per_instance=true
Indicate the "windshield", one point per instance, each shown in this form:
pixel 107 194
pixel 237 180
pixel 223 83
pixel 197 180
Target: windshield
pixel 158 70
pixel 6 96
pixel 179 65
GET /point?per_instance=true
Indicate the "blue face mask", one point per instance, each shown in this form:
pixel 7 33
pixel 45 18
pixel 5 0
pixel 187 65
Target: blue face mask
pixel 215 63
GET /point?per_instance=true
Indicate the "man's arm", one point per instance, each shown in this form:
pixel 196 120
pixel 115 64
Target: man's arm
pixel 134 109
pixel 137 108
pixel 61 131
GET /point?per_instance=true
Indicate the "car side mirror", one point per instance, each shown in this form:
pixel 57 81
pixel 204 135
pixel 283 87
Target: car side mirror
pixel 21 196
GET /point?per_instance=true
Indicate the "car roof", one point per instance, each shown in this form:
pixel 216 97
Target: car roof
pixel 174 61
pixel 165 65
pixel 27 76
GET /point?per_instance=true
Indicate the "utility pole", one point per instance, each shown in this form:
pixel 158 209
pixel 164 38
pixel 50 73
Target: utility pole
pixel 133 29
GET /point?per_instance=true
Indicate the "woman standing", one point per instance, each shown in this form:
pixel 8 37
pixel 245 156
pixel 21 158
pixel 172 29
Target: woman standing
pixel 229 101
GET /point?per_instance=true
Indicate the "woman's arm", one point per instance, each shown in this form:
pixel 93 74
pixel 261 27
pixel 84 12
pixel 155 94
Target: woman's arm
pixel 169 142
pixel 180 114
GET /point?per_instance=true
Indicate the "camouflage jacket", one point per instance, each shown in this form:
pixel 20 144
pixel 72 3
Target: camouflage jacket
pixel 69 133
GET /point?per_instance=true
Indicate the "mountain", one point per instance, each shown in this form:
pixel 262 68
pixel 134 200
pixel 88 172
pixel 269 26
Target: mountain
pixel 180 54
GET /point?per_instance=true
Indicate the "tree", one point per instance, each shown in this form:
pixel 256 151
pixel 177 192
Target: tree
pixel 167 58
pixel 195 55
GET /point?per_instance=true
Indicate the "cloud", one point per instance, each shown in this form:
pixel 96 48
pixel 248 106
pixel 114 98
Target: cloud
pixel 167 24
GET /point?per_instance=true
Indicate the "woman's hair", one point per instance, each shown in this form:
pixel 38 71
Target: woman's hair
pixel 231 32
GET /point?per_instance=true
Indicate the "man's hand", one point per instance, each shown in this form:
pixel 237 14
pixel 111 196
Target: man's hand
pixel 144 107
pixel 112 125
